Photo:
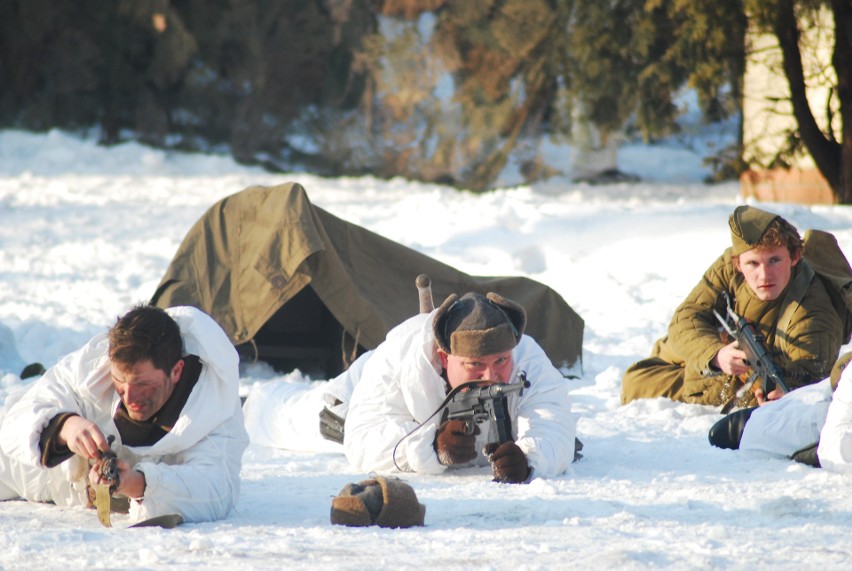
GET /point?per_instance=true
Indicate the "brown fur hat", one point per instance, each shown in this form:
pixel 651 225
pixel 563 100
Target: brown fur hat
pixel 477 325
pixel 748 225
pixel 386 502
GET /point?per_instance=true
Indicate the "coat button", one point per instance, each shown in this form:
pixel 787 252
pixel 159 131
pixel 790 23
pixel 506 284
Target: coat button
pixel 278 281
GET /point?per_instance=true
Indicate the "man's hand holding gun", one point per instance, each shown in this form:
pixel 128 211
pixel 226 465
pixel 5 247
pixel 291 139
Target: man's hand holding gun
pixel 748 353
pixel 475 403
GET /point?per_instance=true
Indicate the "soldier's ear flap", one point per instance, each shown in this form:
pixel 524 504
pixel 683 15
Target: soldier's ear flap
pixel 439 325
pixel 515 312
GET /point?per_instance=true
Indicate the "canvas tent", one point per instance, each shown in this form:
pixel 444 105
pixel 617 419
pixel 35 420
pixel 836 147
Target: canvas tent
pixel 298 287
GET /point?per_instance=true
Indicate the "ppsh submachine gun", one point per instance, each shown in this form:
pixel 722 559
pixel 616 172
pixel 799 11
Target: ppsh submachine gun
pixel 478 401
pixel 753 344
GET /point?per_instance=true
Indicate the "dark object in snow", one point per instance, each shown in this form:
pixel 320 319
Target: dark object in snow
pixel 609 176
pixel 386 502
pixel 32 370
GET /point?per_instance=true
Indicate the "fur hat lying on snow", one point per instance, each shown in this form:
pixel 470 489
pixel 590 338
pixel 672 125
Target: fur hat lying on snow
pixel 386 502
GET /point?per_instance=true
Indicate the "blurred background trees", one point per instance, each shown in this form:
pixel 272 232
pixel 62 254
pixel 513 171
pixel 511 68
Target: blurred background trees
pixel 435 90
pixel 812 41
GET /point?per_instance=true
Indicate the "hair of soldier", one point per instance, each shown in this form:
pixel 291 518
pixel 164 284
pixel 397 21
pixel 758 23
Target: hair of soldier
pixel 145 333
pixel 781 233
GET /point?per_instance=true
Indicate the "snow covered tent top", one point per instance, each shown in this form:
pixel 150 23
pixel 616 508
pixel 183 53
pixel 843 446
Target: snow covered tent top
pixel 297 287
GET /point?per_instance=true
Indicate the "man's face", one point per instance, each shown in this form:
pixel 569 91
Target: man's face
pixel 143 388
pixel 496 368
pixel 767 270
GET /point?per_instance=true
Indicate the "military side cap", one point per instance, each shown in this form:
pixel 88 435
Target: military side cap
pixel 386 502
pixel 477 325
pixel 748 225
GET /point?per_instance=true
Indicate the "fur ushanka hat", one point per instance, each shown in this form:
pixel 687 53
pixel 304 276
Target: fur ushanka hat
pixel 477 325
pixel 381 501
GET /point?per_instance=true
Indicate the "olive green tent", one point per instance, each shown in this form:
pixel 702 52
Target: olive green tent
pixel 299 288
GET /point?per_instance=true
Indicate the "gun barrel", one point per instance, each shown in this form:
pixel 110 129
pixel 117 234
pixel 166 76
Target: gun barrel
pixel 501 389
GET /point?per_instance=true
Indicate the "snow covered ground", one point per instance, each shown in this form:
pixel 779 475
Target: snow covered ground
pixel 86 232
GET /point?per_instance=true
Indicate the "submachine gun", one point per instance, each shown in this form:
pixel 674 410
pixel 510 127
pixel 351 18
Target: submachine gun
pixel 477 402
pixel 753 344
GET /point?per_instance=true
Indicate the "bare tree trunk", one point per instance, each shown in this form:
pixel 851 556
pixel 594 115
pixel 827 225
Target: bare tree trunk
pixel 825 152
pixel 842 61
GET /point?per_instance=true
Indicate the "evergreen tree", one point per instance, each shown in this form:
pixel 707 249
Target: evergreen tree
pixel 520 70
pixel 443 90
pixel 478 85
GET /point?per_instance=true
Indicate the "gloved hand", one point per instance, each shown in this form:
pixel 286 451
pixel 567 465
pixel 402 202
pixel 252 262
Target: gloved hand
pixel 508 462
pixel 452 445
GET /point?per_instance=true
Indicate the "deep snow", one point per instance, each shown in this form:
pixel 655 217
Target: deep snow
pixel 85 232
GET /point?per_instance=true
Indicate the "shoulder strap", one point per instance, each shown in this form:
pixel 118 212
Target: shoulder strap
pixel 794 298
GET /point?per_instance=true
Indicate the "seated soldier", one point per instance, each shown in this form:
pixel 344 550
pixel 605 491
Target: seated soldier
pixel 391 397
pixel 164 384
pixel 768 282
pixel 812 424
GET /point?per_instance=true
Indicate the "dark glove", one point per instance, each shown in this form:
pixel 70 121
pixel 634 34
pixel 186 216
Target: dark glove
pixel 508 462
pixel 452 445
